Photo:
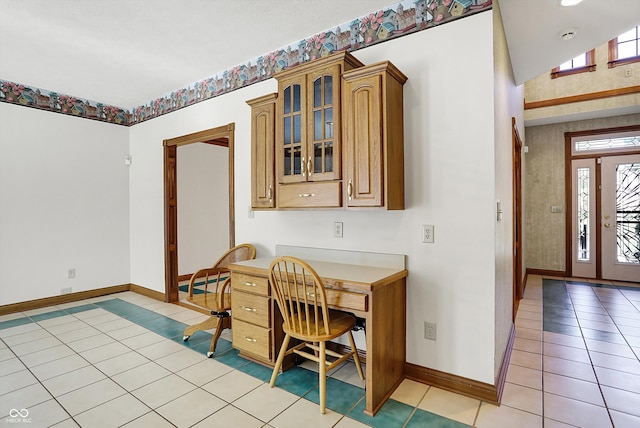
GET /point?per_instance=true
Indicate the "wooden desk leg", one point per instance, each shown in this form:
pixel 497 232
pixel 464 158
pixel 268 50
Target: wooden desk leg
pixel 386 343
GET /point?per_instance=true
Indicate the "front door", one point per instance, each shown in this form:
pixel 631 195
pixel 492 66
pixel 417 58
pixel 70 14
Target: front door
pixel 620 218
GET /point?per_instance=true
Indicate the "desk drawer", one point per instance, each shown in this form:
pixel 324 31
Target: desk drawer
pixel 345 300
pixel 250 283
pixel 251 308
pixel 252 339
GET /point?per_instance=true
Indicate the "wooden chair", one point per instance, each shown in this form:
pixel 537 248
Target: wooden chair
pixel 217 298
pixel 301 297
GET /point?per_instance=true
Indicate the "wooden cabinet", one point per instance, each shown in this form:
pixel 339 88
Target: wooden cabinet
pixel 308 132
pixel 373 136
pixel 263 185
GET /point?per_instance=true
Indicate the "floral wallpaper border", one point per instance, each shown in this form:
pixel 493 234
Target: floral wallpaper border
pixel 406 17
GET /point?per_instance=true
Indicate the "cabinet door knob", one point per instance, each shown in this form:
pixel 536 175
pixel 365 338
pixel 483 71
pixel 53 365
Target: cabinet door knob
pixel 309 167
pixel 302 165
pixel 270 193
pixel 350 189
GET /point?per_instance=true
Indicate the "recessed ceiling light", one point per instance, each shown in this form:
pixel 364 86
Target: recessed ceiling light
pixel 570 2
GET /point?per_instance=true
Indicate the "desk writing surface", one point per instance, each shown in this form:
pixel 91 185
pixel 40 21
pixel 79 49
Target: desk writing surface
pixel 337 271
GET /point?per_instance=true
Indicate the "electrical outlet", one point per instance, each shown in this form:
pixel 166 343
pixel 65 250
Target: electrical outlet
pixel 628 72
pixel 427 233
pixel 430 330
pixel 337 229
pixel 556 208
pixel 71 273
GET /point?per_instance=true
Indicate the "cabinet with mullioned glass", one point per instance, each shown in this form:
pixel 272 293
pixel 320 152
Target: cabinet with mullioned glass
pixel 308 133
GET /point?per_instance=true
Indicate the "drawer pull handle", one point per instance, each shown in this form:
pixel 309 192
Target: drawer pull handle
pixel 306 195
pixel 250 339
pixel 248 309
pixel 311 294
pixel 249 284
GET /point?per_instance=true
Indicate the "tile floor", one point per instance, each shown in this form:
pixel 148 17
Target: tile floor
pixel 120 360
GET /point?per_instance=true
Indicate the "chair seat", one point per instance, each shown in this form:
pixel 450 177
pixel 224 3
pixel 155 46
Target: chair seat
pixel 340 323
pixel 210 300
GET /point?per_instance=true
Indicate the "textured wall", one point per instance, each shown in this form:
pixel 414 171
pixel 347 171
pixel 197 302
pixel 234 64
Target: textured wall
pixel 545 186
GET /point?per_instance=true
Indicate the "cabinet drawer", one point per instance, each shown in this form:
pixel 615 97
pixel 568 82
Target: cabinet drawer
pixel 250 283
pixel 250 308
pixel 310 195
pixel 252 339
pixel 344 300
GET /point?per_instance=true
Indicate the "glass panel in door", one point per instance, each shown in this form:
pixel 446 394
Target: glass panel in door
pixel 620 222
pixel 583 211
pixel 292 132
pixel 321 162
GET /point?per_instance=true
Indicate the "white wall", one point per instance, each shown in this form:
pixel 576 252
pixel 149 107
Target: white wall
pixel 449 174
pixel 64 204
pixel 203 205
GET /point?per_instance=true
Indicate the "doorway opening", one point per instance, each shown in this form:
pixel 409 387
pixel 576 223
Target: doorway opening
pixel 518 284
pixel 222 136
pixel 603 193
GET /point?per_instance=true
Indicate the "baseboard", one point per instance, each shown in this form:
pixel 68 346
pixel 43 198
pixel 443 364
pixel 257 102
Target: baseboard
pixel 63 298
pixel 185 277
pixel 147 292
pixel 461 385
pixel 545 272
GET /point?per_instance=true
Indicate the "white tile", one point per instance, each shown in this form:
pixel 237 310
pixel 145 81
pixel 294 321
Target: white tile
pixel 127 332
pixel 526 359
pixel 90 342
pixel 524 376
pixel 11 365
pixel 453 406
pixel 522 398
pixel 624 420
pixel 569 368
pixel 621 400
pixel 51 322
pixel 142 340
pixel 58 367
pixel 191 408
pixel 566 353
pixel 232 385
pixel 90 396
pixel 35 345
pixel 82 332
pixel 265 403
pixel 46 355
pixel 76 379
pixel 160 349
pixel 16 380
pixel 575 412
pixel 104 352
pixel 151 419
pixel 121 363
pixel 163 391
pixel 114 324
pixel 572 388
pixel 564 339
pixel 113 413
pixel 24 398
pixel 74 325
pixel 304 413
pixel 18 339
pixel 181 359
pixel 491 416
pixel 45 414
pixel 229 416
pixel 204 371
pixel 346 422
pixel 410 392
pixel 140 376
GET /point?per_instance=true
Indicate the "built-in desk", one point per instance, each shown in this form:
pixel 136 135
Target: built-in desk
pixel 375 294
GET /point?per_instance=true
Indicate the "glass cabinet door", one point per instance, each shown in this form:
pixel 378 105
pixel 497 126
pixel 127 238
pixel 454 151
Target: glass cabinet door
pixel 294 167
pixel 323 159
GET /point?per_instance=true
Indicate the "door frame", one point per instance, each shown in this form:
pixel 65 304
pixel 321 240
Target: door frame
pixel 568 157
pixel 518 290
pixel 221 136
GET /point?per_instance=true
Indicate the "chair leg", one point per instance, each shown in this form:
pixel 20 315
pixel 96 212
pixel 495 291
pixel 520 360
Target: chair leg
pixel 281 354
pixel 207 324
pixel 356 358
pixel 322 377
pixel 223 323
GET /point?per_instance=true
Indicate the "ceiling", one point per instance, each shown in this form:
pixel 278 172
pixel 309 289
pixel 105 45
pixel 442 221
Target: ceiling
pixel 129 52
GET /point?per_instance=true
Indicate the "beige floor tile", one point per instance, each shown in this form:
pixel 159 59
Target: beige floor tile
pixel 35 345
pixel 527 345
pixel 163 390
pixel 16 380
pixel 51 322
pixel 550 423
pixel 127 332
pixel 114 324
pixel 101 319
pixel 232 385
pixel 204 371
pixel 229 416
pixel 526 359
pixel 621 400
pixel 569 368
pixel 453 406
pixel 348 373
pixel 566 352
pixel 11 365
pixel 191 408
pixel 59 366
pixel 593 317
pixel 350 423
pixel 45 414
pixel 524 376
pixel 82 332
pixel 114 413
pixel 67 327
pixel 618 379
pixel 141 376
pixel 564 340
pixel 24 398
pixel 30 336
pixel 528 333
pixel 142 340
pixel 525 314
pixel 624 420
pixel 629 365
pixel 46 355
pixel 522 398
pixel 491 416
pixel 90 342
pixel 265 403
pixel 105 352
pixel 610 348
pixel 629 330
pixel 572 388
pixel 410 392
pixel 602 326
pixel 76 379
pixel 160 349
pixel 148 420
pixel 87 397
pixel 304 413
pixel 574 412
pixel 121 363
pixel 532 324
pixel 181 359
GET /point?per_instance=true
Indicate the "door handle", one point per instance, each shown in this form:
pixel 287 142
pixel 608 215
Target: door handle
pixel 607 225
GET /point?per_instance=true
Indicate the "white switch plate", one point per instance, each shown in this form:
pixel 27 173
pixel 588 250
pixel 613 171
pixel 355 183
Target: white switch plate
pixel 337 229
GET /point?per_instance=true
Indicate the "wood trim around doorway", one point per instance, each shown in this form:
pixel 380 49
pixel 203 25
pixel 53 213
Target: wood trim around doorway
pixel 222 136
